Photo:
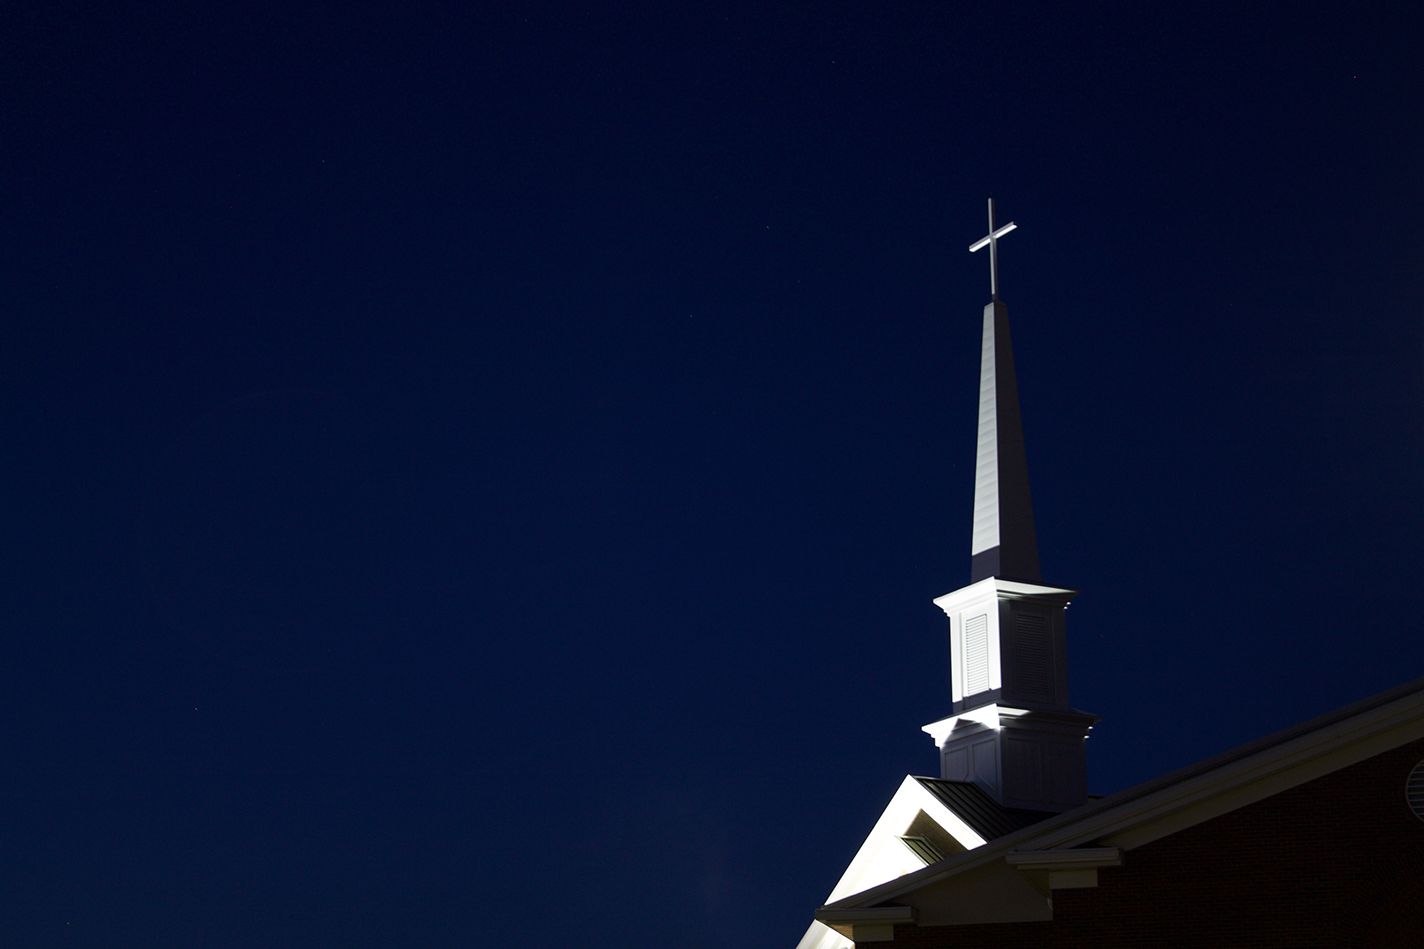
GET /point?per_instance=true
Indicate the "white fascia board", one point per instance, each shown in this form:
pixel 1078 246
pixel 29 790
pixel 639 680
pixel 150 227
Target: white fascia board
pixel 880 920
pixel 1016 588
pixel 990 716
pixel 953 601
pixel 993 587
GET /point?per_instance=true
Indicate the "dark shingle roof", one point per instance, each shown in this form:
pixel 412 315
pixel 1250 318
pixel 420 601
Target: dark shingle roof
pixel 987 817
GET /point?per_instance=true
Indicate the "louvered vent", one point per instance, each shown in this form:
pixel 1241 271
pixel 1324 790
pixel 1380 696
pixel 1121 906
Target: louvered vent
pixel 922 848
pixel 1414 790
pixel 976 654
pixel 1033 656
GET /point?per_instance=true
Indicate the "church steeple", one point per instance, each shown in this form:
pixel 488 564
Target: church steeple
pixel 1012 732
pixel 1004 543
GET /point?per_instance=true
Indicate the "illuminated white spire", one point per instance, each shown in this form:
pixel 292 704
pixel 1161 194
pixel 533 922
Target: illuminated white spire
pixel 1011 731
pixel 1004 543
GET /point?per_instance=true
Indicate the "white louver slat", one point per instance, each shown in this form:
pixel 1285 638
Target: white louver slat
pixel 976 654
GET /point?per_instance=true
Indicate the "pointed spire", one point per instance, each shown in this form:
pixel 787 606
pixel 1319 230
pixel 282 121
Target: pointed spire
pixel 1012 731
pixel 1004 543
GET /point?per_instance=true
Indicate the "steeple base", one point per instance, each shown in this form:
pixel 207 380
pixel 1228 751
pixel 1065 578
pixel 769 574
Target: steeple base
pixel 1023 758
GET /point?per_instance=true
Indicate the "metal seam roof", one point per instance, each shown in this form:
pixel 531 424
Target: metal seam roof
pixel 987 817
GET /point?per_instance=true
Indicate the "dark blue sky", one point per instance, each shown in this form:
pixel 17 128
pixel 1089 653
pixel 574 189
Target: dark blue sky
pixel 477 475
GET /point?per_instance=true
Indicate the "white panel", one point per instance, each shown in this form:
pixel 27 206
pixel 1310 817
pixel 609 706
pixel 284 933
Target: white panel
pixel 956 764
pixel 985 766
pixel 976 654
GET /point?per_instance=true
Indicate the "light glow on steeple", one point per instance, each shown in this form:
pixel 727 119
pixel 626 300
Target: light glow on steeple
pixel 1004 543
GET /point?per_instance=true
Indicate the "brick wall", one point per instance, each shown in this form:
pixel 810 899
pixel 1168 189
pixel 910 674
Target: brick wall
pixel 1337 862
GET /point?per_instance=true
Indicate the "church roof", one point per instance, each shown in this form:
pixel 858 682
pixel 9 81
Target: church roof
pixel 986 816
pixel 1100 830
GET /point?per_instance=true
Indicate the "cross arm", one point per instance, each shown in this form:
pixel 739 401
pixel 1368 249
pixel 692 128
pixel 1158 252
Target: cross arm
pixel 992 236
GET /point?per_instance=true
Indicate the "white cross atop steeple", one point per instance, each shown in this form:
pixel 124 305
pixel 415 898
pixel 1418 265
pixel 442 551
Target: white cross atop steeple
pixel 992 239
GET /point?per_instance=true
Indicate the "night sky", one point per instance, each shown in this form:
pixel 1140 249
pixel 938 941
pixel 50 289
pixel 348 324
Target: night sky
pixel 477 474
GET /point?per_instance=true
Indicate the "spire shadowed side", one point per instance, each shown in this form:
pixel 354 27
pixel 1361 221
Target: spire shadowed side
pixel 1004 543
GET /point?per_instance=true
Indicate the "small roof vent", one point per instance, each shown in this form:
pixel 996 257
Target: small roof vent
pixel 1414 790
pixel 929 853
